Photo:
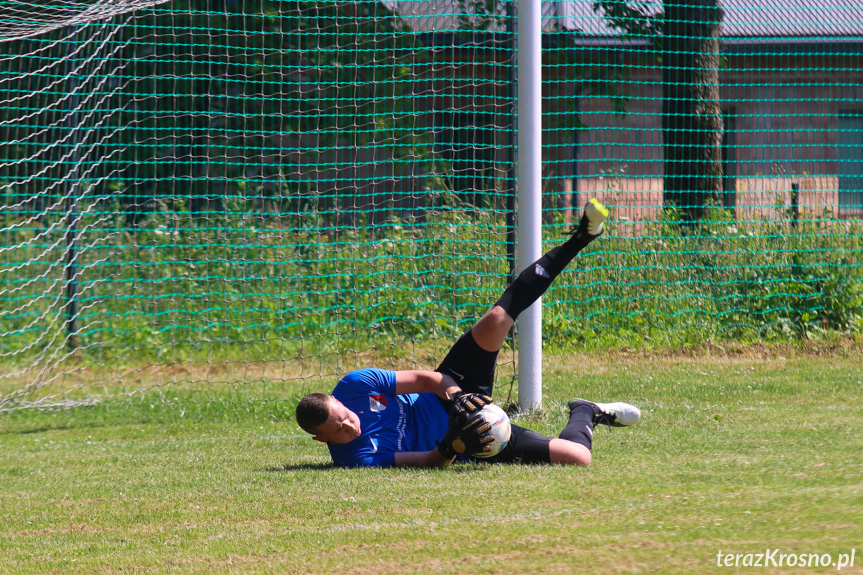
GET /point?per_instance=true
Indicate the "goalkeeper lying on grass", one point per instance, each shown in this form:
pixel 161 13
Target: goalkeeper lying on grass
pixel 379 418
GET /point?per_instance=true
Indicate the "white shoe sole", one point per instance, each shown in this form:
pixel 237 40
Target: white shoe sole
pixel 624 413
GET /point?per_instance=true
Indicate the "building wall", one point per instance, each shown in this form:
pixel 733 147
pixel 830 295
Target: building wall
pixel 783 116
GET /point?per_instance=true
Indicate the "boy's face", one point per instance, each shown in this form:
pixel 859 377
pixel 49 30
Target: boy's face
pixel 342 426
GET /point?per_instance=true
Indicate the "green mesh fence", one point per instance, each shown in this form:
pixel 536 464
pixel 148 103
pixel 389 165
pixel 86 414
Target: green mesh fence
pixel 264 192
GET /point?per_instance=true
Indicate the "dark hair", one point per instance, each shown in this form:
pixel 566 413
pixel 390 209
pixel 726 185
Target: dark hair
pixel 312 411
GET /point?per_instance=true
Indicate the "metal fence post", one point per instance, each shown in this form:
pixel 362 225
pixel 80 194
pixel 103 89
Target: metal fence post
pixel 529 54
pixel 72 199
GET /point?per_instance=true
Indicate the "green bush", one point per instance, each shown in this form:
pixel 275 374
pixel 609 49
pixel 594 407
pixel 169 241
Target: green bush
pixel 240 286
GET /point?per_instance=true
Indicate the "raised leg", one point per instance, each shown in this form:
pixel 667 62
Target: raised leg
pixel 532 282
pixel 491 329
pixel 472 360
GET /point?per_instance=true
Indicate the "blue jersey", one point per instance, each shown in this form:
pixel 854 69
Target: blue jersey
pixel 389 423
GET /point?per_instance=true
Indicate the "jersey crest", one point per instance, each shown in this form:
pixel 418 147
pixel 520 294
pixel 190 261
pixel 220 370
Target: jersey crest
pixel 377 402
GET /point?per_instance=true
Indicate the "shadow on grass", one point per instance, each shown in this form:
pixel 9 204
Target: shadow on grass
pixel 301 467
pixel 471 467
pixel 25 430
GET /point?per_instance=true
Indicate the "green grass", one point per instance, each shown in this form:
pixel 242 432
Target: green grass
pixel 734 454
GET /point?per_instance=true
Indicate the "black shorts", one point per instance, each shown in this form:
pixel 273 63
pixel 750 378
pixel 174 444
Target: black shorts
pixel 525 446
pixel 470 366
pixel 473 368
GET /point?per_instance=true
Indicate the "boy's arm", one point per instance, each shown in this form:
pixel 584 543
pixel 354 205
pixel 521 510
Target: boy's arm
pixel 424 381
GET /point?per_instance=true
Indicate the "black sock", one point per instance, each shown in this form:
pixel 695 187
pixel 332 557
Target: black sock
pixel 537 277
pixel 580 426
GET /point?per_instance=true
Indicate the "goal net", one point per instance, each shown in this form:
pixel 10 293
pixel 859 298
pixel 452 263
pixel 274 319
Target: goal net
pixel 260 196
pixel 235 193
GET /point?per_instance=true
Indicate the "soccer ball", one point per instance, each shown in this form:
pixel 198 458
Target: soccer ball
pixel 500 429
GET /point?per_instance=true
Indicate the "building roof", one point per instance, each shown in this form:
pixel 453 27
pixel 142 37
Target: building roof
pixel 822 20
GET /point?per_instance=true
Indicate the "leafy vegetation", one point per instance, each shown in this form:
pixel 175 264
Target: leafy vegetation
pixel 243 285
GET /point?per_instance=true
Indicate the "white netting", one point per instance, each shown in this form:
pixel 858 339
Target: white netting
pixel 60 119
pixel 239 192
pixel 26 19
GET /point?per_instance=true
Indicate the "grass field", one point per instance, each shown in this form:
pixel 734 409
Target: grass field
pixel 736 453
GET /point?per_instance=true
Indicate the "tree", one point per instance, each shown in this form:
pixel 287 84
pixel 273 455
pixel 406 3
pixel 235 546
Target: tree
pixel 490 26
pixel 208 94
pixel 691 113
pixel 685 39
pixel 213 99
pixel 250 93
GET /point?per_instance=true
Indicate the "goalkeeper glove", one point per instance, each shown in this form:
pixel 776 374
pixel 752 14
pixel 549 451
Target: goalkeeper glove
pixel 466 404
pixel 470 436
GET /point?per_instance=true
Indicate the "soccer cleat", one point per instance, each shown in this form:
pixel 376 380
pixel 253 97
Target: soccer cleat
pixel 617 414
pixel 591 222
